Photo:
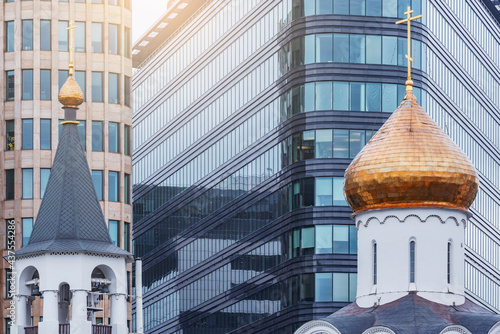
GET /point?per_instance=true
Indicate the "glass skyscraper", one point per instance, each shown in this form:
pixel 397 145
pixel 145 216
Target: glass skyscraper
pixel 246 114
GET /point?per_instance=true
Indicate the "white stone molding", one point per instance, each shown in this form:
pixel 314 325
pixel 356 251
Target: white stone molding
pixel 495 329
pixel 383 221
pixel 317 327
pixel 379 330
pixel 456 329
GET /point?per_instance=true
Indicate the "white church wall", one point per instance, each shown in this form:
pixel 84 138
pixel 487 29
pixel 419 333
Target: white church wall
pixel 392 230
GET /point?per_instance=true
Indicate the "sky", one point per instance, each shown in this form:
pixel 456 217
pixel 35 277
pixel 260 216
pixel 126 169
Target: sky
pixel 144 14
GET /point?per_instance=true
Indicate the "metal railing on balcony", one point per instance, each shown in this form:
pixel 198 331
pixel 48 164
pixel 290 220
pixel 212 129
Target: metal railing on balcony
pixel 31 330
pixel 101 329
pixel 63 328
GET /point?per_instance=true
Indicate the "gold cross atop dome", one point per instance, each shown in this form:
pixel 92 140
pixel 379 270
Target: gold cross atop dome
pixel 71 28
pixel 71 95
pixel 409 18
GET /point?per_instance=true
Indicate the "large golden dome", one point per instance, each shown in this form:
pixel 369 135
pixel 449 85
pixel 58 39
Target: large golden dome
pixel 71 94
pixel 410 162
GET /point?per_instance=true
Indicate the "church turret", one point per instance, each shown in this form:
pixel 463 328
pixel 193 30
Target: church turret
pixel 70 258
pixel 410 189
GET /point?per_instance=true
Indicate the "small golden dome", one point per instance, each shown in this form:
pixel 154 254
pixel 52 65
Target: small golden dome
pixel 410 162
pixel 71 94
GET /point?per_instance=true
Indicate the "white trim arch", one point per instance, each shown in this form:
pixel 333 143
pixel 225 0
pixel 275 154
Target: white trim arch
pixel 495 329
pixel 455 329
pixel 379 330
pixel 317 327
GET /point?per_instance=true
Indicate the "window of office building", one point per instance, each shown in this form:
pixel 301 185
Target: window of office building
pixel 9 36
pixel 113 186
pixel 44 179
pixel 126 236
pixel 9 184
pixel 9 86
pixel 113 39
pixel 80 80
pixel 45 33
pixel 98 179
pixel 114 137
pixel 114 232
pixel 96 37
pixel 27 34
pixel 27 183
pixel 126 188
pixel 27 84
pixel 27 134
pixel 97 136
pixel 127 90
pixel 97 91
pixel 80 37
pixel 63 36
pixel 127 141
pixel 127 40
pixel 45 134
pixel 62 77
pixel 11 135
pixel 27 229
pixel 45 83
pixel 113 88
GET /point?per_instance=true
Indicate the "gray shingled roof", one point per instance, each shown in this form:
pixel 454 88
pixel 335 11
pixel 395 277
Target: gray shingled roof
pixel 413 314
pixel 70 216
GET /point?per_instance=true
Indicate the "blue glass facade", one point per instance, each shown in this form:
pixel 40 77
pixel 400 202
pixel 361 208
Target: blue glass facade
pixel 244 122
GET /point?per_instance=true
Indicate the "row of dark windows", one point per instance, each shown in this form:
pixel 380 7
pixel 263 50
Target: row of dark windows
pixel 348 48
pixel 98 135
pixel 96 32
pixel 114 84
pixel 113 225
pixel 126 3
pixel 27 184
pixel 386 8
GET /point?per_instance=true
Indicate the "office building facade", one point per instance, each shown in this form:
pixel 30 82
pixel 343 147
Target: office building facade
pixel 34 66
pixel 246 114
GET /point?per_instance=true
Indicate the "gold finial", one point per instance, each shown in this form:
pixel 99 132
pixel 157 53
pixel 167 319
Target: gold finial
pixel 71 28
pixel 409 18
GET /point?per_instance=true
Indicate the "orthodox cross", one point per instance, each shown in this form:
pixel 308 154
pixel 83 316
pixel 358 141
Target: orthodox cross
pixel 409 18
pixel 71 28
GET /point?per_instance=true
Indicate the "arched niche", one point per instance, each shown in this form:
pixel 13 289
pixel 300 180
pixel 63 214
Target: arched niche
pixel 29 275
pixel 104 275
pixel 65 296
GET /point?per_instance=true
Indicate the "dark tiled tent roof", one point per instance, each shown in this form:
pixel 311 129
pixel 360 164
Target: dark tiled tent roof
pixel 413 315
pixel 70 216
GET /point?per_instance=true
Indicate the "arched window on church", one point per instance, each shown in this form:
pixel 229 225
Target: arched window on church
pixel 448 267
pixel 412 261
pixel 374 263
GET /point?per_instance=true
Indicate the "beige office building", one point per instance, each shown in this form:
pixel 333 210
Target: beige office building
pixel 34 65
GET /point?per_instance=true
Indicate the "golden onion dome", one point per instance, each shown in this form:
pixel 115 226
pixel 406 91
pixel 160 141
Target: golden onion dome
pixel 410 162
pixel 71 94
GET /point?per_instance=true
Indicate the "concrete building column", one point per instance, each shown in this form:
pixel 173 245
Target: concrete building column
pixel 118 313
pixel 21 303
pixel 50 323
pixel 79 323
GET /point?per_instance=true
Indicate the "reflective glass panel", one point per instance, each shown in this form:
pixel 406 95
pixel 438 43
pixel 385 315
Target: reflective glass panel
pixel 113 39
pixel 389 97
pixel 44 84
pixel 323 287
pixel 308 145
pixel 340 143
pixel 357 141
pixel 27 183
pixel 340 287
pixel 340 96
pixel 324 191
pixel 324 7
pixel 97 136
pixel 27 134
pixel 340 239
pixel 324 239
pixel 113 89
pixel 10 87
pixel 27 34
pixel 324 141
pixel 390 8
pixel 27 229
pixel 80 79
pixel 374 7
pixel 357 96
pixel 389 50
pixel 114 232
pixel 324 95
pixel 373 49
pixel 341 7
pixel 9 33
pixel 338 191
pixel 113 137
pixel 309 7
pixel 44 179
pixel 62 77
pixel 27 84
pixel 341 48
pixel 309 95
pixel 97 94
pixel 309 49
pixel 357 7
pixel 80 36
pixel 357 49
pixel 45 134
pixel 373 97
pixel 97 178
pixel 324 51
pixel 63 36
pixel 113 185
pixel 96 37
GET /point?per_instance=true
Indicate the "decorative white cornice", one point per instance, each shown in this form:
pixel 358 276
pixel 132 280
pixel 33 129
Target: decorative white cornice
pixel 317 327
pixel 456 329
pixel 379 330
pixel 441 220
